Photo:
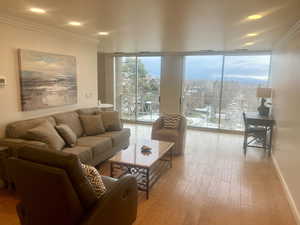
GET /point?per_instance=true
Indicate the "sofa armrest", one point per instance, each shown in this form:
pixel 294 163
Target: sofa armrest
pixel 12 143
pixel 116 207
pixel 16 143
pixel 36 145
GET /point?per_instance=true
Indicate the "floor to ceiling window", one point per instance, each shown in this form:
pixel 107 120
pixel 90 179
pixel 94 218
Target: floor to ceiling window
pixel 137 87
pixel 201 90
pixel 218 88
pixel 125 86
pixel 242 75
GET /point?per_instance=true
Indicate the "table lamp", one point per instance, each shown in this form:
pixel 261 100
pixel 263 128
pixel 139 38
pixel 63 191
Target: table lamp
pixel 263 93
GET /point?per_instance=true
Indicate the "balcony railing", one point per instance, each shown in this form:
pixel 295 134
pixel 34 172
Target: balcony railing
pixel 199 113
pixel 143 108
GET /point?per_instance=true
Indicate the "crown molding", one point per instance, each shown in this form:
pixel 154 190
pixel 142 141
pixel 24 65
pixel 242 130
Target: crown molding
pixel 292 32
pixel 189 53
pixel 41 28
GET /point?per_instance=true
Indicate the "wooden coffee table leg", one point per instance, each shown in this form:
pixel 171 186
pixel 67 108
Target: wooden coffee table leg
pixel 147 182
pixel 171 157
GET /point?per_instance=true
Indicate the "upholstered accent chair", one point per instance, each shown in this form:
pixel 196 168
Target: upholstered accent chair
pixel 176 135
pixel 53 189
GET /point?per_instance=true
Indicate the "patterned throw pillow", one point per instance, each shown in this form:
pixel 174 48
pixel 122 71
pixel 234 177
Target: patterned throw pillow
pixel 95 179
pixel 171 121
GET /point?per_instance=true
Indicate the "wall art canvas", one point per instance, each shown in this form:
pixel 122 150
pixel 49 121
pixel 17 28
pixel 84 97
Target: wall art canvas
pixel 47 80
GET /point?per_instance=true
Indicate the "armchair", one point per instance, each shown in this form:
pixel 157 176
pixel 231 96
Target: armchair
pixel 53 190
pixel 173 135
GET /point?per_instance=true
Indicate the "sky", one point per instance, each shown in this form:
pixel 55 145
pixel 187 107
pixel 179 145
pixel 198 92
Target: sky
pixel 253 69
pixel 152 65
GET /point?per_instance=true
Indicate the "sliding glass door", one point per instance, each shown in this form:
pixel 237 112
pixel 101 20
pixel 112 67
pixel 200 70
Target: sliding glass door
pixel 137 87
pixel 217 89
pixel 201 90
pixel 148 86
pixel 125 87
pixel 243 74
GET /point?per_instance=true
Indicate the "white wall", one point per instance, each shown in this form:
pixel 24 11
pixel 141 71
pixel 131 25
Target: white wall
pixel 286 109
pixel 109 79
pixel 14 37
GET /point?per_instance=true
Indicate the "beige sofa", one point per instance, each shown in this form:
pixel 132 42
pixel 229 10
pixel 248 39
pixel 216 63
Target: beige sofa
pixel 91 150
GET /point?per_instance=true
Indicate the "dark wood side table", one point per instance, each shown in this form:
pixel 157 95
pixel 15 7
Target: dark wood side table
pixel 253 118
pixel 4 178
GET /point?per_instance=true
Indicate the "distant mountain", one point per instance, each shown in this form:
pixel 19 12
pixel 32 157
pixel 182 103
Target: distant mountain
pixel 245 69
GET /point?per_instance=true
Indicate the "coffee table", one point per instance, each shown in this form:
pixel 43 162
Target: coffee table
pixel 146 167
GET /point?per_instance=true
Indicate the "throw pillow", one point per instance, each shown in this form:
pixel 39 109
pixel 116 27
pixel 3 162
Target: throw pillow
pixel 45 132
pixel 171 121
pixel 111 121
pixel 67 134
pixel 95 179
pixel 89 111
pixel 92 124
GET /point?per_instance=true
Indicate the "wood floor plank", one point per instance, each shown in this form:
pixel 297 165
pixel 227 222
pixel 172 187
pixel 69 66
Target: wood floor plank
pixel 212 184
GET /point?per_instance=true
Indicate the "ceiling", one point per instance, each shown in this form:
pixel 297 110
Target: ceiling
pixel 166 25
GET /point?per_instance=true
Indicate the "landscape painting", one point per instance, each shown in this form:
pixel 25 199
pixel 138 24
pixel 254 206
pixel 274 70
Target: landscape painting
pixel 47 80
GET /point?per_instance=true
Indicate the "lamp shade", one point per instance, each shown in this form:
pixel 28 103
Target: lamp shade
pixel 263 92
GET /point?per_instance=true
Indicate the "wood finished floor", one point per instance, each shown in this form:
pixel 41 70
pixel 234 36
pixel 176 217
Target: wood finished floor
pixel 212 184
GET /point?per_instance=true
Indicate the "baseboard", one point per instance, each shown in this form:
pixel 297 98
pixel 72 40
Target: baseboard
pixel 289 196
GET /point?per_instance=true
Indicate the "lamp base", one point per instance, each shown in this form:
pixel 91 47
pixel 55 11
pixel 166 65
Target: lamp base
pixel 262 109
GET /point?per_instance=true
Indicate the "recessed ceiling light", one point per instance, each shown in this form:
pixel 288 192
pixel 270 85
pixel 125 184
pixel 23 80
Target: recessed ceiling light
pixel 37 10
pixel 103 33
pixel 249 43
pixel 75 23
pixel 254 17
pixel 252 34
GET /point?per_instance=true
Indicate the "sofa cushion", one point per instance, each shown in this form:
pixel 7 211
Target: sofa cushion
pixel 46 133
pixel 70 163
pixel 89 111
pixel 72 120
pixel 19 129
pixel 67 134
pixel 92 124
pixel 111 121
pixel 167 134
pixel 98 145
pixel 118 137
pixel 84 153
pixel 95 179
